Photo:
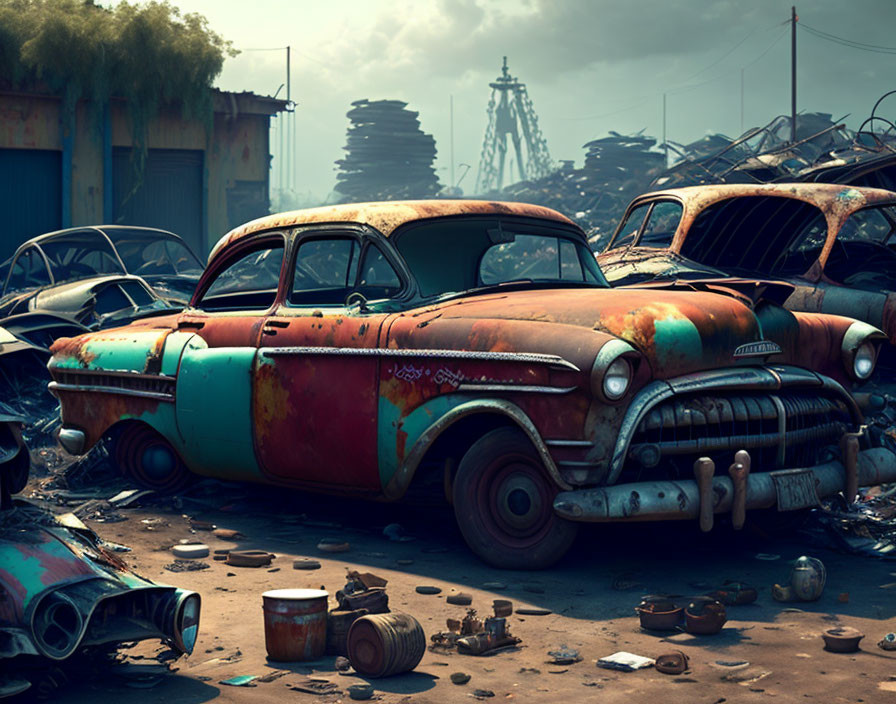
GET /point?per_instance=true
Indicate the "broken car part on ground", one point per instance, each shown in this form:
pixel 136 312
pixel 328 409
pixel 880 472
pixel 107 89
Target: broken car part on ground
pixel 475 349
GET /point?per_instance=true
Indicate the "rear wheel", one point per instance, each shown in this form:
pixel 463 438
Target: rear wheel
pixel 148 459
pixel 503 502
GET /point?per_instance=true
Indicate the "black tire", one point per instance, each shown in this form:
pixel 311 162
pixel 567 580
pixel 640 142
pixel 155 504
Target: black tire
pixel 503 502
pixel 148 459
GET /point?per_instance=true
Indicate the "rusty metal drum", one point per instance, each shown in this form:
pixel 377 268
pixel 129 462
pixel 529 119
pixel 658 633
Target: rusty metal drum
pixel 295 624
pixel 380 645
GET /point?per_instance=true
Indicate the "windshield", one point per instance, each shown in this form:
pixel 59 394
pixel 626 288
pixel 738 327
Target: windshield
pixel 457 255
pixel 148 253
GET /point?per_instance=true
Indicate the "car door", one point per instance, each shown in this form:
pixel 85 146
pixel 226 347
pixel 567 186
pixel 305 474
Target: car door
pixel 214 380
pixel 316 380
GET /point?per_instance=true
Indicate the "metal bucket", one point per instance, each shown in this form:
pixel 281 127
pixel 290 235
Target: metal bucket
pixel 385 644
pixel 295 624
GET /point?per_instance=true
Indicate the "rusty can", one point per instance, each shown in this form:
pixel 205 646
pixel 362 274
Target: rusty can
pixel 385 644
pixel 295 624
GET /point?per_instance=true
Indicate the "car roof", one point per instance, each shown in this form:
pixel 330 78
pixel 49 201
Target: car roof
pixel 386 217
pixel 111 231
pixel 822 195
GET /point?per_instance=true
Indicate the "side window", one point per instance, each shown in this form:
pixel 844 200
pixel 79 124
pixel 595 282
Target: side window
pixel 661 224
pixel 29 271
pixel 377 278
pixel 570 264
pixel 630 227
pixel 249 283
pixel 325 271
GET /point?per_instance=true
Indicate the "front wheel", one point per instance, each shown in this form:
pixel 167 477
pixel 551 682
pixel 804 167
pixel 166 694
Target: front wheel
pixel 147 458
pixel 503 502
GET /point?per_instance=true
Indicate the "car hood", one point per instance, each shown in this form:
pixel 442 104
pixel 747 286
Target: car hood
pixel 679 332
pixel 632 265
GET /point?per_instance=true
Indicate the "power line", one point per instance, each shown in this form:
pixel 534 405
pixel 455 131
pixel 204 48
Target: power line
pixel 876 48
pixel 726 54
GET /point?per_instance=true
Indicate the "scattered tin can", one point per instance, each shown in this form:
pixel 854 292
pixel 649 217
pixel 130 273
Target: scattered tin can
pixel 295 624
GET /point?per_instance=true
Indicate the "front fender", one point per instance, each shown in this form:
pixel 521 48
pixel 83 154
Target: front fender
pixel 454 408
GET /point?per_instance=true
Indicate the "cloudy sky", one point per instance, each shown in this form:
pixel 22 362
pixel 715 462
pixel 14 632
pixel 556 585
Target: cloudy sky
pixel 590 65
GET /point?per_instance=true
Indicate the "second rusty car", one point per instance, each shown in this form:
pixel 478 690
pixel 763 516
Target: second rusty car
pixel 475 348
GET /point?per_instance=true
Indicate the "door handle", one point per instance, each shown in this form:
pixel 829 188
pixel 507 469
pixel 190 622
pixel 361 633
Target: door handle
pixel 271 326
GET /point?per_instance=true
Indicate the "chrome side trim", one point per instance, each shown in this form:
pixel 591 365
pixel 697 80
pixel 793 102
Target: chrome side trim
pixel 119 374
pixel 401 480
pixel 569 443
pixel 530 357
pixel 517 388
pixel 55 386
pixel 768 379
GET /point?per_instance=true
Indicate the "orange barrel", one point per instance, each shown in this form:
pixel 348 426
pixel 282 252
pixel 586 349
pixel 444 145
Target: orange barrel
pixel 295 624
pixel 385 644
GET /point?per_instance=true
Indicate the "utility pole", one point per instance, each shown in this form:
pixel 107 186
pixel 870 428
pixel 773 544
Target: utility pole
pixel 741 101
pixel 665 145
pixel 289 135
pixel 451 113
pixel 793 21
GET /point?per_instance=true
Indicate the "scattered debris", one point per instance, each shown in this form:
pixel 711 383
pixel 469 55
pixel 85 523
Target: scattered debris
pixel 626 662
pixel 459 677
pixel 191 551
pixel 888 642
pixel 395 532
pixel 305 563
pixel 460 599
pixel 704 616
pixel 427 589
pixel 483 693
pixel 532 611
pixel 240 681
pixel 249 558
pixel 333 545
pixel 659 613
pixel 674 663
pixel 564 656
pixel 842 639
pixel 360 691
pixel 314 685
pixel 191 565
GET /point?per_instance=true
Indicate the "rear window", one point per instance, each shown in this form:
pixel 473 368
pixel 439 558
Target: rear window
pixel 452 256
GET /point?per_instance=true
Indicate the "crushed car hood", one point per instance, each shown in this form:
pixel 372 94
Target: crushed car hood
pixel 679 332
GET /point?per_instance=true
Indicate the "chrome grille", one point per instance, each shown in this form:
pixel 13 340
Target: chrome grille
pixel 784 429
pixel 149 385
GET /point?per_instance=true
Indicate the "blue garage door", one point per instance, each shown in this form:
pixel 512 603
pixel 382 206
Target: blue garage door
pixel 169 197
pixel 30 195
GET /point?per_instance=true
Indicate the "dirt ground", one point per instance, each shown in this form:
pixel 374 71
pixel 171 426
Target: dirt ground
pixel 591 593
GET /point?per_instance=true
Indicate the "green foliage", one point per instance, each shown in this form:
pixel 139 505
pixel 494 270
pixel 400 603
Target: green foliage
pixel 149 54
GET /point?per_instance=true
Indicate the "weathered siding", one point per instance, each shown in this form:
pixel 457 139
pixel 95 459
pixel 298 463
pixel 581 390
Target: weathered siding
pixel 236 157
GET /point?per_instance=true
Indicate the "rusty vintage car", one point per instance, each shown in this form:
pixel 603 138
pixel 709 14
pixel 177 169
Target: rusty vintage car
pixel 836 244
pixel 474 349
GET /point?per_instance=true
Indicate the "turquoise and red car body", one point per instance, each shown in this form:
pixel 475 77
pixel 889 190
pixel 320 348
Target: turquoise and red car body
pixel 533 399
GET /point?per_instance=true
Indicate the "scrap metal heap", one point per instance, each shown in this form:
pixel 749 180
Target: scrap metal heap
pixel 617 168
pixel 389 156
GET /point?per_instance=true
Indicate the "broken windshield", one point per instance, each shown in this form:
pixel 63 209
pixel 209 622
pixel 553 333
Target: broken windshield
pixel 154 253
pixel 453 256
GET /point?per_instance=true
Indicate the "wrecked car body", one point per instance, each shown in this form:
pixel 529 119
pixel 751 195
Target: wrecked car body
pixel 835 244
pixel 96 277
pixel 474 350
pixel 64 594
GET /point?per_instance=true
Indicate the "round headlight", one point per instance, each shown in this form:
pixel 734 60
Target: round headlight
pixel 863 362
pixel 617 379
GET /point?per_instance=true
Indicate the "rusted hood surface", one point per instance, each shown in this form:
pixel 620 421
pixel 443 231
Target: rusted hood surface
pixel 678 332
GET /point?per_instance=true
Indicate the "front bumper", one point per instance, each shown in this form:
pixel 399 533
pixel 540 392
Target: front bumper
pixel 681 499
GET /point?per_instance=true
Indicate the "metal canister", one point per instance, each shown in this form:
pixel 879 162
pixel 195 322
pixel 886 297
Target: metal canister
pixel 295 624
pixel 808 578
pixel 385 644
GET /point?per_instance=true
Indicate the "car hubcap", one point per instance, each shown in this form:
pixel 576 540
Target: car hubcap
pixel 519 502
pixel 158 461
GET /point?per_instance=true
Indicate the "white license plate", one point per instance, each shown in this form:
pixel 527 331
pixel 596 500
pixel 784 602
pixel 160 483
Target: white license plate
pixel 795 489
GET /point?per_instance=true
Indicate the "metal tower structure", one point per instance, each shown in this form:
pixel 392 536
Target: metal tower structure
pixel 510 113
